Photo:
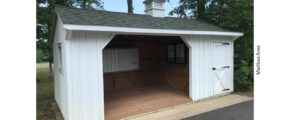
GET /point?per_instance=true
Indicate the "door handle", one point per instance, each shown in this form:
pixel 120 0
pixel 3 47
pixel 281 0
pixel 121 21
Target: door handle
pixel 213 68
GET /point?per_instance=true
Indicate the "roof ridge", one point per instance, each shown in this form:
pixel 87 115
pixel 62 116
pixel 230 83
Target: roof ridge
pixel 107 11
pixel 120 12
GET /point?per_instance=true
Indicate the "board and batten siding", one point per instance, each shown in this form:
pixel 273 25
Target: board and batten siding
pixel 60 78
pixel 201 84
pixel 79 84
pixel 85 74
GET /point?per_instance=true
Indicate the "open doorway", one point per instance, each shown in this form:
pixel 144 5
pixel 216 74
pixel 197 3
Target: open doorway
pixel 144 73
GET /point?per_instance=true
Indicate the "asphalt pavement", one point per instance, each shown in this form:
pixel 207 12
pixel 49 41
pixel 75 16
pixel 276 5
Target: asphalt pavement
pixel 241 111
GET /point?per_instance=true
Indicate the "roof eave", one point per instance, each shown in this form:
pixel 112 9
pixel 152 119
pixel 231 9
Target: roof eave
pixel 130 30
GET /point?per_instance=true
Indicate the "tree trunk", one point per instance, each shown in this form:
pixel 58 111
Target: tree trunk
pixel 201 9
pixel 84 4
pixel 50 44
pixel 50 69
pixel 130 6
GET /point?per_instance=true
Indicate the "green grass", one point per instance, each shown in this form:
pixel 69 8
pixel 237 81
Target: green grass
pixel 45 95
pixel 45 84
pixel 42 63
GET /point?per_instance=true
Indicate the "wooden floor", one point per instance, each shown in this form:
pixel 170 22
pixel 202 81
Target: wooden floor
pixel 133 101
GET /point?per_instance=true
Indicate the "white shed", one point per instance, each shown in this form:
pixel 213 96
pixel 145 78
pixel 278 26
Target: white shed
pixel 108 62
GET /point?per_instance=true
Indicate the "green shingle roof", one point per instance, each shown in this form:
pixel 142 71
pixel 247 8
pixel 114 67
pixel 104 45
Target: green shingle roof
pixel 116 19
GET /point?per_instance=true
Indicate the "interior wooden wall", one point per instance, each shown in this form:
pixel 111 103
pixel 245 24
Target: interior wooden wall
pixel 154 69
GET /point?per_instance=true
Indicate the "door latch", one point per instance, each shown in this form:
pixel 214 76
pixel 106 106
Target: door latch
pixel 226 67
pixel 227 89
pixel 214 68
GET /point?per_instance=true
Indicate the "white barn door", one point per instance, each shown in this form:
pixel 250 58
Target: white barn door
pixel 210 65
pixel 222 59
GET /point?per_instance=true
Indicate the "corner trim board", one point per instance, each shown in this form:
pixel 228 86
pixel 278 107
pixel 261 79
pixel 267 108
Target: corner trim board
pixel 68 34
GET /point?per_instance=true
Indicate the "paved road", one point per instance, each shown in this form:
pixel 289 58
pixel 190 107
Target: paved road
pixel 241 111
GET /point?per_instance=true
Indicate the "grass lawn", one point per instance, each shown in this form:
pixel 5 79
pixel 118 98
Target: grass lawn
pixel 45 95
pixel 42 63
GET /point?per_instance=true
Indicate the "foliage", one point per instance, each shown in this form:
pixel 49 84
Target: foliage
pixel 44 22
pixel 236 15
pixel 41 57
pixel 88 4
pixel 190 9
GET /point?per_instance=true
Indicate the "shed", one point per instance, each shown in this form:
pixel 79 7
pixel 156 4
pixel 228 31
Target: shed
pixel 109 65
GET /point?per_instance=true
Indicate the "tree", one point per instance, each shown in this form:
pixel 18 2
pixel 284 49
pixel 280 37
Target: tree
pixel 130 6
pixel 190 9
pixel 44 16
pixel 88 4
pixel 236 15
pixel 44 24
pixel 201 9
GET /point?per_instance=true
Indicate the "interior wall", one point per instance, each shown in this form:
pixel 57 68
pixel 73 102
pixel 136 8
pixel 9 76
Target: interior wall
pixel 153 69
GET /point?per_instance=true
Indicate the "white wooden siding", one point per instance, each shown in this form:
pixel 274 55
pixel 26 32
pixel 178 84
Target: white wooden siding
pixel 200 65
pixel 85 75
pixel 120 59
pixel 60 79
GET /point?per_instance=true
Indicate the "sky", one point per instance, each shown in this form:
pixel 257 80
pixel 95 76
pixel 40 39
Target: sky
pixel 121 6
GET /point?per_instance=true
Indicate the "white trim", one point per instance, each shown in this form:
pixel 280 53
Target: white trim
pixel 127 30
pixel 68 34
